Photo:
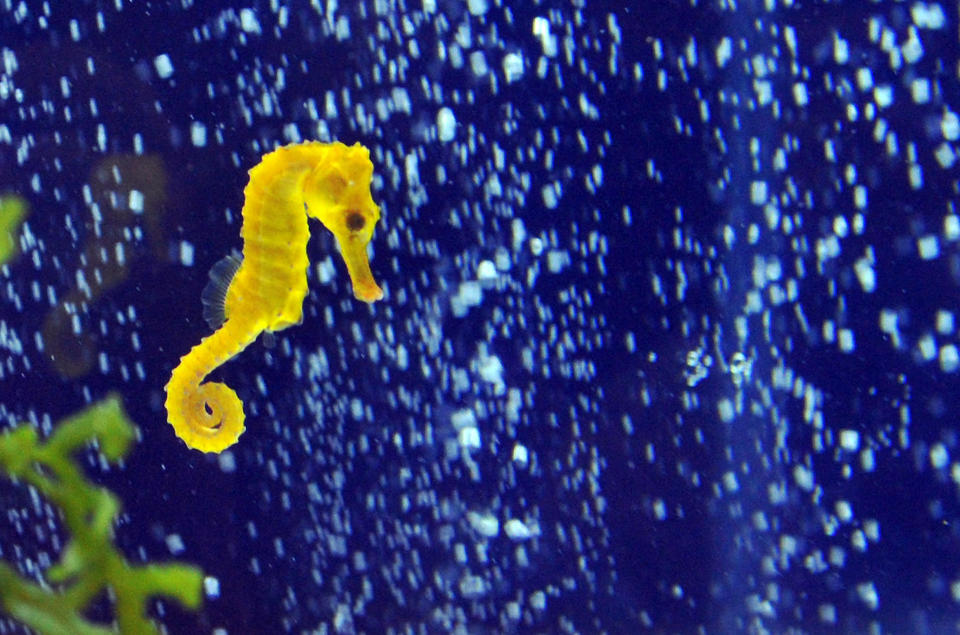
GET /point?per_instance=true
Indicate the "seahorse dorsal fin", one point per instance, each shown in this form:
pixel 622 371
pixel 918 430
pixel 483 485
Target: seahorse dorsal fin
pixel 214 296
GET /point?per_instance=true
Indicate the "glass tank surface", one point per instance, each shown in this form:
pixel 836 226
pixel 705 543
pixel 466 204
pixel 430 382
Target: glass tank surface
pixel 538 316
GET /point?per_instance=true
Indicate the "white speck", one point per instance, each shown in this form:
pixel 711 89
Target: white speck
pixel 478 63
pixel 536 246
pixel 538 600
pixel 725 410
pixel 343 28
pixel 759 606
pixel 724 52
pixel 860 197
pixel 490 370
pixel 550 194
pixel 512 67
pixel 945 322
pixel 845 340
pixel 850 440
pixel 446 124
pixel 175 544
pixel 928 247
pixel 325 270
pixel 950 126
pixel 764 90
pixel 484 524
pixel 548 41
pixel 758 192
pixel 163 65
pixel 135 201
pixel 949 358
pixel 477 7
pixel 841 50
pixel 730 482
pixel 927 16
pixel 945 155
pixel 472 586
pixel 939 456
pixel 517 530
pixel 186 253
pixel 10 64
pixel 844 511
pixel 868 594
pixel 803 478
pixel 198 134
pixel 486 270
pixel 800 94
pixel 411 169
pixel 211 587
pixel 248 21
pixel 520 454
pixel 863 267
pixel 883 95
pixel 920 90
pixel 463 418
pixel 469 438
pixel 915 174
pixel 227 462
pixel 912 49
pixel 469 294
pixel 951 227
pixel 557 260
pixel 827 613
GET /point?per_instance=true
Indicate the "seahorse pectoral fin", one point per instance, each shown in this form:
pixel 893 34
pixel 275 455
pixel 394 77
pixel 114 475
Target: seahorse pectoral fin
pixel 214 296
pixel 354 254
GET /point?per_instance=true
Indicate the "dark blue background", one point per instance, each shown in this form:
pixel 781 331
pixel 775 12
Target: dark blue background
pixel 603 558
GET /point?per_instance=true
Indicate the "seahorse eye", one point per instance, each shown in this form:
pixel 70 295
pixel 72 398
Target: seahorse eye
pixel 355 221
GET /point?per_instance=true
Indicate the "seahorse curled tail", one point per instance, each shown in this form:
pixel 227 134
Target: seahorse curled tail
pixel 208 416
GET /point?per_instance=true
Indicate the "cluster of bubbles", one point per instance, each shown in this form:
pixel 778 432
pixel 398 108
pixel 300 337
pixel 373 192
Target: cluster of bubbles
pixel 668 341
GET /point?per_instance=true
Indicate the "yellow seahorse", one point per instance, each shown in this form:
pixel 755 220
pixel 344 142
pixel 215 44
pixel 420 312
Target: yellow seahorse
pixel 265 291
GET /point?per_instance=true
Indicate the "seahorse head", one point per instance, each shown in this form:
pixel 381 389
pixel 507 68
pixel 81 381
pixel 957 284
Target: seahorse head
pixel 337 193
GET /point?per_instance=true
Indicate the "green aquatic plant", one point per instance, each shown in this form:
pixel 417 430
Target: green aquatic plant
pixel 13 209
pixel 90 563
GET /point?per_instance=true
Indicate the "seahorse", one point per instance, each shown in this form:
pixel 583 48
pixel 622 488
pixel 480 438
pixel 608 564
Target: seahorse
pixel 264 291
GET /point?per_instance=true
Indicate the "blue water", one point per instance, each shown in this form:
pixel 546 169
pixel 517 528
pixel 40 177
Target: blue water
pixel 669 336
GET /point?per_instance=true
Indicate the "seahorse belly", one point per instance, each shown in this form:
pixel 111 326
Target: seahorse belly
pixel 274 270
